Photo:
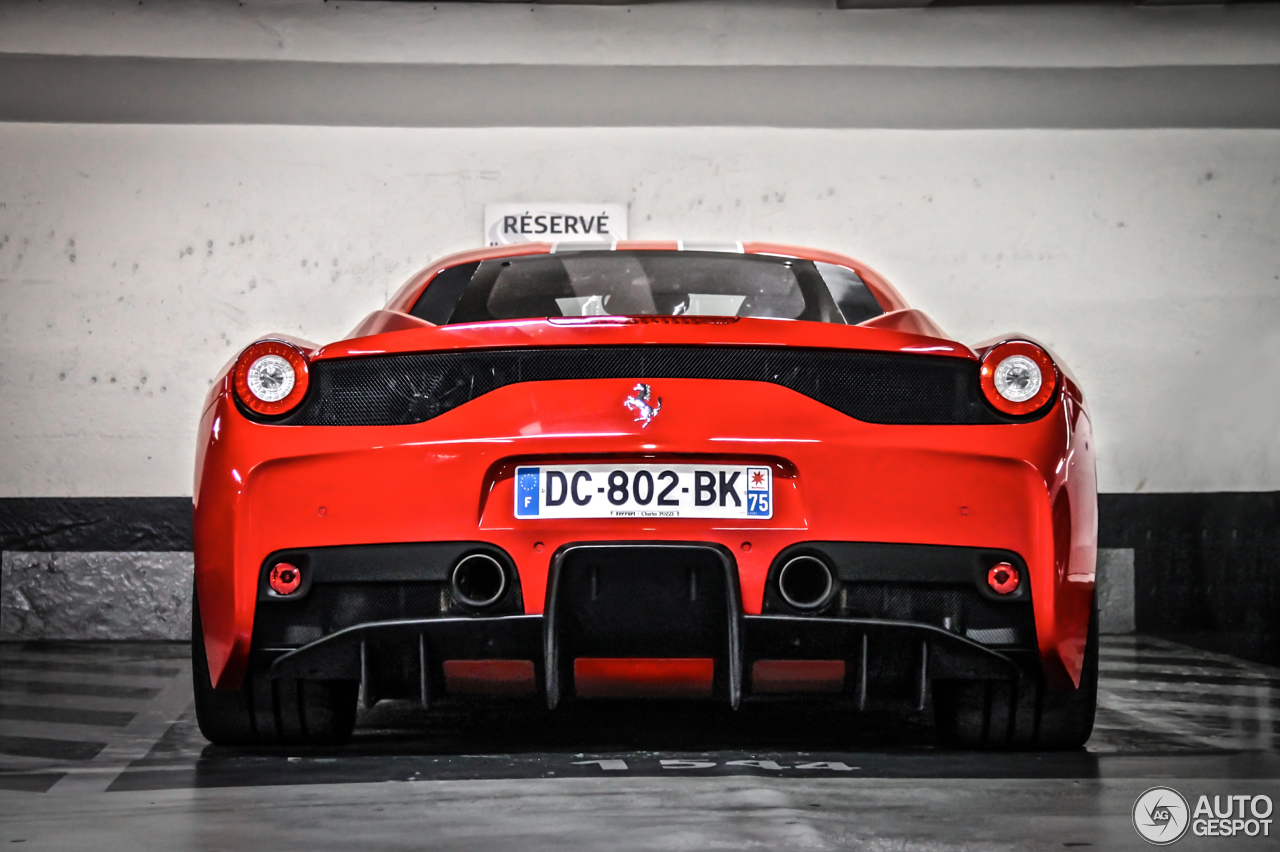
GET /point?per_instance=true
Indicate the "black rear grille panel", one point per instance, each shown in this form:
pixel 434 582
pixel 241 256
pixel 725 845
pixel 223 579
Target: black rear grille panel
pixel 939 585
pixel 644 600
pixel 876 387
pixel 329 607
pixel 957 607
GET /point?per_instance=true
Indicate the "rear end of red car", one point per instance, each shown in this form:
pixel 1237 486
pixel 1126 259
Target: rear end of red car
pixel 709 490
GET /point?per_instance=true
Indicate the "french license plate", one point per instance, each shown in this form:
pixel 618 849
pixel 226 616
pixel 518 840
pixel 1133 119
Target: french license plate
pixel 643 491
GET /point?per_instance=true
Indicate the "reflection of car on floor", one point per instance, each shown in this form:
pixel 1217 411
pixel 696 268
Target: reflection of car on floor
pixel 729 473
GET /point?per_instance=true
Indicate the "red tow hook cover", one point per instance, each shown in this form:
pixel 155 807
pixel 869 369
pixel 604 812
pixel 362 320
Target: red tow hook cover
pixel 285 578
pixel 1003 578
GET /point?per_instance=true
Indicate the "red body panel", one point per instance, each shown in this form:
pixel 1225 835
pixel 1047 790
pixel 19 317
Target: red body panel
pixel 1026 487
pixel 798 676
pixel 649 678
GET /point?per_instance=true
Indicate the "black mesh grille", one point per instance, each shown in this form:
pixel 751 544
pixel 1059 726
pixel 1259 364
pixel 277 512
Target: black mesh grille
pixel 331 607
pixel 875 387
pixel 957 607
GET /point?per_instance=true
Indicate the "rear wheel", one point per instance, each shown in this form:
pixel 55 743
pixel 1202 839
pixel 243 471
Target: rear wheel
pixel 267 711
pixel 1021 714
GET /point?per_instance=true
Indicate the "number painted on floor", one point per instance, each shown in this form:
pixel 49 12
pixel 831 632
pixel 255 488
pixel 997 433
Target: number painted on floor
pixel 687 764
pixel 607 765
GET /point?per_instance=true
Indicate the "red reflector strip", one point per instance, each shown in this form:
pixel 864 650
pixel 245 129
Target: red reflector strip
pixel 797 676
pixel 596 677
pixel 489 677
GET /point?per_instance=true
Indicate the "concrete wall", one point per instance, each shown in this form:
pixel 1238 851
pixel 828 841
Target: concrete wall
pixel 708 32
pixel 95 595
pixel 1107 179
pixel 1119 197
pixel 135 260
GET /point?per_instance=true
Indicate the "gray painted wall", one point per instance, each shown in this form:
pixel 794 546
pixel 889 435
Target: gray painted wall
pixel 137 256
pixel 708 32
pixel 136 259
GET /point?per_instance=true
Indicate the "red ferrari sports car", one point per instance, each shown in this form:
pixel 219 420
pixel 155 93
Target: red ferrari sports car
pixel 570 472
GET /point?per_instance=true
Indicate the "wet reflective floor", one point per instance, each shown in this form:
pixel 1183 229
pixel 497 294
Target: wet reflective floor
pixel 99 750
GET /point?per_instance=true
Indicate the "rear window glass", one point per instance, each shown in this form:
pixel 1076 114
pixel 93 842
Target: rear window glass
pixel 646 283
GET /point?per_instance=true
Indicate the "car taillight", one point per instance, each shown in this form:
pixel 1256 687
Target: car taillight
pixel 1018 377
pixel 271 377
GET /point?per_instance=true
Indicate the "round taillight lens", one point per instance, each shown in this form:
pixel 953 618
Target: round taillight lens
pixel 1018 377
pixel 271 377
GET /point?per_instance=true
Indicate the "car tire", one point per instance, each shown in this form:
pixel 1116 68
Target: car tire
pixel 269 711
pixel 1023 714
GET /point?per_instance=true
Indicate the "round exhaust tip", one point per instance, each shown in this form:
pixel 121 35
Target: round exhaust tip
pixel 478 580
pixel 806 582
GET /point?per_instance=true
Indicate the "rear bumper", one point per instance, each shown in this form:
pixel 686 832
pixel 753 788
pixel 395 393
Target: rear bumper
pixel 654 619
pixel 1025 489
pixel 885 662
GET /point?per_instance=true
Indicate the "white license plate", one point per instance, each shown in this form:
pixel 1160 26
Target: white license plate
pixel 643 491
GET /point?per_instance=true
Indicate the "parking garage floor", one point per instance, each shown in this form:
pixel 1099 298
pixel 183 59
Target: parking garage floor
pixel 99 750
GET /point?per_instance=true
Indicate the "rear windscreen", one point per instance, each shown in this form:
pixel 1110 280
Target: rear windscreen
pixel 646 283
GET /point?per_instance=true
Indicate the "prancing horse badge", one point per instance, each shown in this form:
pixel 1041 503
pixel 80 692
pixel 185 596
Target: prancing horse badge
pixel 639 403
